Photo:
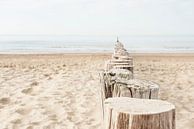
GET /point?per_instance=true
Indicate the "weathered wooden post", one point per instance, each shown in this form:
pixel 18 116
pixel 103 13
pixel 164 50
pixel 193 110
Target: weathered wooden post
pixel 120 59
pixel 132 113
pixel 136 88
pixel 132 88
pixel 108 80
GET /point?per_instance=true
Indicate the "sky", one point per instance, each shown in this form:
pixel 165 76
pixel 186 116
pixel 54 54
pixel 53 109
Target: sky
pixel 96 17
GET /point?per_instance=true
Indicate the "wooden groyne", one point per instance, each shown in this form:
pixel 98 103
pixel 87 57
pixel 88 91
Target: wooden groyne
pixel 120 89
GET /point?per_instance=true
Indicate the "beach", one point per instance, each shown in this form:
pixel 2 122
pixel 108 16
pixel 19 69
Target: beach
pixel 62 91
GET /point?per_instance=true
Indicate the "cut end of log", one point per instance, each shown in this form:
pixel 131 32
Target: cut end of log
pixel 135 106
pixel 132 113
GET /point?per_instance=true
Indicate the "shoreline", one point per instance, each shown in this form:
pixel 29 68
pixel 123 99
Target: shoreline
pixel 95 53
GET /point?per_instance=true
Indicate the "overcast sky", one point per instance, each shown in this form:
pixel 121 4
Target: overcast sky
pixel 97 17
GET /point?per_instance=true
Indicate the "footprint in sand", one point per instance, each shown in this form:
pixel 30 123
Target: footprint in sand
pixel 16 121
pixel 27 91
pixel 46 75
pixel 35 123
pixel 23 111
pixel 5 101
pixel 35 83
pixel 49 78
pixel 30 127
pixel 50 126
pixel 53 117
pixel 1 106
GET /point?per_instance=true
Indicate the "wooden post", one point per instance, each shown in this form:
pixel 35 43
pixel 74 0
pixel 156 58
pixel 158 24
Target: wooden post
pixel 136 88
pixel 119 64
pixel 132 113
pixel 132 88
pixel 108 80
pixel 118 85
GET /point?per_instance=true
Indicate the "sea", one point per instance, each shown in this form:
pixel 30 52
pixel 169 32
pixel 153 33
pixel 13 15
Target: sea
pixel 26 44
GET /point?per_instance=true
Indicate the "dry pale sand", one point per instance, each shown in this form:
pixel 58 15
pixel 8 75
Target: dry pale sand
pixel 62 91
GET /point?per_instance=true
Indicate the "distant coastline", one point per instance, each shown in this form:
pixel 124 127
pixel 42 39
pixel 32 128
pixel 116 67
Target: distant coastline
pixel 97 54
pixel 93 52
pixel 94 44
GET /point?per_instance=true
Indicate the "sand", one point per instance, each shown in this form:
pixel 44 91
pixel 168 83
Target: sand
pixel 62 91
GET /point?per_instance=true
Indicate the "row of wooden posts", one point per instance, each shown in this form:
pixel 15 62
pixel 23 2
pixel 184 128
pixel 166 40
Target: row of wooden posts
pixel 129 103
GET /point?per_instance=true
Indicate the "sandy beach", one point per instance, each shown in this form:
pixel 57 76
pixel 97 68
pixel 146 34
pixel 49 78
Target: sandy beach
pixel 62 91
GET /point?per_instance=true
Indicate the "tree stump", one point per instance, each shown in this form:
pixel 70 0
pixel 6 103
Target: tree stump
pixel 131 113
pixel 135 88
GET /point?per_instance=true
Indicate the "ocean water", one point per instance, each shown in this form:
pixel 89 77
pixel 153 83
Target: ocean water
pixel 85 44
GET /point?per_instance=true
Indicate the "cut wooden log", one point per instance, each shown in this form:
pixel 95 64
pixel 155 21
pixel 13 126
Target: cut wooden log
pixel 135 88
pixel 131 113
